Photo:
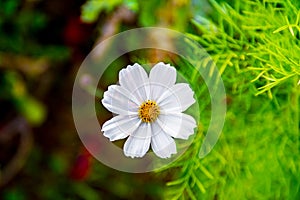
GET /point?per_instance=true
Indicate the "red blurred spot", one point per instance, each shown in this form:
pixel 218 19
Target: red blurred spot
pixel 81 167
pixel 78 36
pixel 76 32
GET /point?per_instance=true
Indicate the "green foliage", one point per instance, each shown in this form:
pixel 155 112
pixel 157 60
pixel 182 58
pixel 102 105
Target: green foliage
pixel 92 8
pixel 14 194
pixel 21 51
pixel 256 38
pixel 20 27
pixel 255 158
pixel 172 14
pixel 150 13
pixel 14 90
pixel 255 45
pixel 31 109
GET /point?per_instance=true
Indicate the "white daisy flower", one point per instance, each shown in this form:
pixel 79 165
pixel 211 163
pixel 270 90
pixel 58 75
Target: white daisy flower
pixel 149 110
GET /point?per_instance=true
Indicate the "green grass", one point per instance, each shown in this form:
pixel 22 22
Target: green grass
pixel 255 45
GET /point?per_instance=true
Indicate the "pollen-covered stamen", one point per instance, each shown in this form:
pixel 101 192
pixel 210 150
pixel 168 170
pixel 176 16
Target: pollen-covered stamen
pixel 149 111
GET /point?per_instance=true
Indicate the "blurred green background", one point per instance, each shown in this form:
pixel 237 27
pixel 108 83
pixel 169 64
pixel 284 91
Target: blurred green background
pixel 255 45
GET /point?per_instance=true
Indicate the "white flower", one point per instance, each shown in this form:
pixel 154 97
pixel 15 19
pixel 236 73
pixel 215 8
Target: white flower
pixel 149 110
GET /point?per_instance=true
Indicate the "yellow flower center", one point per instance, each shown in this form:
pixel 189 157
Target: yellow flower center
pixel 149 111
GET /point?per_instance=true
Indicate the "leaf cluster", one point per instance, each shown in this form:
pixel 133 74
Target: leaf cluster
pixel 255 45
pixel 259 39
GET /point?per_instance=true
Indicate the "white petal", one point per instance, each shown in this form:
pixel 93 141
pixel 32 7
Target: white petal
pixel 138 143
pixel 135 80
pixel 163 145
pixel 177 125
pixel 118 100
pixel 162 76
pixel 120 127
pixel 177 99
